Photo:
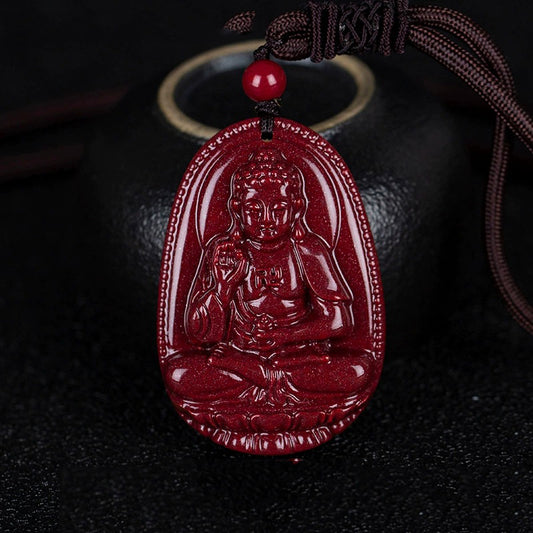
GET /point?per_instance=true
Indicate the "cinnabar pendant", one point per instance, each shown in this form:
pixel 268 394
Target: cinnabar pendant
pixel 271 318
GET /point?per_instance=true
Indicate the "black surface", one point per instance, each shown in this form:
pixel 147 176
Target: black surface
pixel 89 440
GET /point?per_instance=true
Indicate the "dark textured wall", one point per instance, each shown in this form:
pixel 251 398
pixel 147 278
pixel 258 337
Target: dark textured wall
pixel 53 47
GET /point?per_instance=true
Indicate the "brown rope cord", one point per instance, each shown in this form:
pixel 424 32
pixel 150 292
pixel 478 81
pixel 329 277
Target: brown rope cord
pixel 460 26
pixel 510 112
pixel 384 26
pixel 479 41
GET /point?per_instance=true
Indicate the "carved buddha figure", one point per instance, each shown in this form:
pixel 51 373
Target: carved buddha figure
pixel 267 300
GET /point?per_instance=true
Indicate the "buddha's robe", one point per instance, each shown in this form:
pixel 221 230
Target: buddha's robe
pixel 274 337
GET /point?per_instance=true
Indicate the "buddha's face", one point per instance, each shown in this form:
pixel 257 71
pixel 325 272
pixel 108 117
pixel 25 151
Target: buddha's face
pixel 267 213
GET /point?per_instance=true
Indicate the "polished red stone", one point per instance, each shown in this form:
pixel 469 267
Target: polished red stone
pixel 271 318
pixel 264 80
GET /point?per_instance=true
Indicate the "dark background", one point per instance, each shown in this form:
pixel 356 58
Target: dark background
pixel 89 440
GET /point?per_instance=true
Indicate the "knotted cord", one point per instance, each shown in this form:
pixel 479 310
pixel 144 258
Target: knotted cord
pixel 327 29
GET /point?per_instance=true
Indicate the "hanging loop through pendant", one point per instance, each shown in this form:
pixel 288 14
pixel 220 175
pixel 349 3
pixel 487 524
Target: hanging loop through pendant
pixel 264 81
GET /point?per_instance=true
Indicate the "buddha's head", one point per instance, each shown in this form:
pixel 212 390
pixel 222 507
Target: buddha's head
pixel 267 200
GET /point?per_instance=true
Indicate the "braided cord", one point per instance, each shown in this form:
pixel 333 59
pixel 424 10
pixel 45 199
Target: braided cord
pixel 327 29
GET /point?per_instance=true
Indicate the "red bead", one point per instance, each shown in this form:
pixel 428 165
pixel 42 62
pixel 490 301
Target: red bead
pixel 264 80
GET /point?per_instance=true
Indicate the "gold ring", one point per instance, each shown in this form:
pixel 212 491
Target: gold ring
pixel 359 71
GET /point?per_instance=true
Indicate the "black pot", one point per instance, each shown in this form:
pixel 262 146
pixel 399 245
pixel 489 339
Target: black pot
pixel 406 157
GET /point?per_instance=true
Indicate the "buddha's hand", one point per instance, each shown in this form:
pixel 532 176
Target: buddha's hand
pixel 229 267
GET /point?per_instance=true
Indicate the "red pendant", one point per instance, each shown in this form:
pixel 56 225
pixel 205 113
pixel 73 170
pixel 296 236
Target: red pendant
pixel 271 317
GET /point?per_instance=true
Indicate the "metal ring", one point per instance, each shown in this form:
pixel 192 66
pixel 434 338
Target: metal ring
pixel 359 71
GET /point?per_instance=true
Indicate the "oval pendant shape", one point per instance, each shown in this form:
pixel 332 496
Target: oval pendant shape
pixel 271 316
